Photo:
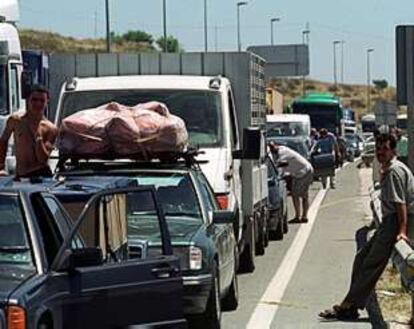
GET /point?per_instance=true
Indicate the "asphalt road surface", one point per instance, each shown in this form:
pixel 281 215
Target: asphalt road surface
pixel 310 269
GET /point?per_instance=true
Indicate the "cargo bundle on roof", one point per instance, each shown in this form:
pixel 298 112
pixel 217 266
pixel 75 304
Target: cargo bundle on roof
pixel 114 130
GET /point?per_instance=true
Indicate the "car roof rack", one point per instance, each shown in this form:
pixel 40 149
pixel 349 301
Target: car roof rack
pixel 187 158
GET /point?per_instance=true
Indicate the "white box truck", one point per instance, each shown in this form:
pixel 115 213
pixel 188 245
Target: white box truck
pixel 218 95
pixel 11 68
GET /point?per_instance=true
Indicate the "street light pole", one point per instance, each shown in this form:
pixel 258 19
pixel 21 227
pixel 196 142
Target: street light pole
pixel 205 27
pixel 369 51
pixel 108 27
pixel 164 11
pixel 272 36
pixel 334 63
pixel 239 4
pixel 342 61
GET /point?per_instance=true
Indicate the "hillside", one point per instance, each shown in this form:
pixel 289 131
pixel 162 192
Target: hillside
pixel 354 96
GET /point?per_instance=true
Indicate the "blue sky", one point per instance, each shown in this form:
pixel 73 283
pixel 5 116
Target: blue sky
pixel 361 24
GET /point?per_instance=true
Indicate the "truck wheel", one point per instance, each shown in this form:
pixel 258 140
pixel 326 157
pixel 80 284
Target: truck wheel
pixel 247 257
pixel 260 245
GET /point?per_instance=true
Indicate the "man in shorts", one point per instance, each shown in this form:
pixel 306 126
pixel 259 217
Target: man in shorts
pixel 301 172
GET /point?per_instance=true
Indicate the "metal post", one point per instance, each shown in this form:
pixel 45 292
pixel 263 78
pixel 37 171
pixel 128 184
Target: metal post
pixel 108 27
pixel 205 27
pixel 164 10
pixel 216 38
pixel 272 34
pixel 342 61
pixel 305 40
pixel 369 51
pixel 334 63
pixel 239 4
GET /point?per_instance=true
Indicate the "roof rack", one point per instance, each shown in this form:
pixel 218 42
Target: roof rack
pixel 74 162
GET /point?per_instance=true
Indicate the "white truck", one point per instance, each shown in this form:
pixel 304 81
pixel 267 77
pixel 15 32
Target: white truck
pixel 219 102
pixel 11 68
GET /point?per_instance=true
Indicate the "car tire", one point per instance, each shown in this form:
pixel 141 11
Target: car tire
pixel 278 233
pixel 285 223
pixel 45 323
pixel 211 318
pixel 231 301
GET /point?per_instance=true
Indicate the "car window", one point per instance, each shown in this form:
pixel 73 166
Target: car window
pixel 14 243
pixel 208 193
pixel 124 227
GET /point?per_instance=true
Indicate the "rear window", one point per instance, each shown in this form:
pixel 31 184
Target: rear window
pixel 14 243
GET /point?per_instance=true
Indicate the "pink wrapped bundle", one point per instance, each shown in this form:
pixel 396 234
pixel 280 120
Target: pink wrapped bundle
pixel 85 131
pixel 148 129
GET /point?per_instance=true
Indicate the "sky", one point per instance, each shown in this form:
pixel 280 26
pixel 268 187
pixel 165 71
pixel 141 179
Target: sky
pixel 361 24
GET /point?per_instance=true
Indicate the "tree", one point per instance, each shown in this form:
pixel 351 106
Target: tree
pixel 138 36
pixel 173 46
pixel 380 84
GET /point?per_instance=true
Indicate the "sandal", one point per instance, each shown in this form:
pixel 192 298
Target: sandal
pixel 295 220
pixel 339 313
pixel 304 220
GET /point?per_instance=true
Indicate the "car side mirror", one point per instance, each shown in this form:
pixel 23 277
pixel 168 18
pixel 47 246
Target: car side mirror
pixel 223 217
pixel 84 257
pixel 251 145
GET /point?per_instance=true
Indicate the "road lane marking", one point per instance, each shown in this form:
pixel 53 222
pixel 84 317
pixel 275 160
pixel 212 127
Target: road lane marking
pixel 268 305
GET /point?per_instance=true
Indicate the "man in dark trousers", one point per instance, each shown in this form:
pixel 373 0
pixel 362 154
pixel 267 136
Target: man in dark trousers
pixel 397 203
pixel 34 137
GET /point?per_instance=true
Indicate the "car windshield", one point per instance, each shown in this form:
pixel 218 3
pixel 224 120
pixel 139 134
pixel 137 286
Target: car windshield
pixel 199 109
pixel 14 245
pixel 175 193
pixel 3 89
pixel 275 129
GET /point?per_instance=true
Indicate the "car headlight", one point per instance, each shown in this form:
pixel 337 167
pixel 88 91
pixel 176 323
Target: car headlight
pixel 196 258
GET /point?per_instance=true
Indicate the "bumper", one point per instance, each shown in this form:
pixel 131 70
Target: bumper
pixel 196 293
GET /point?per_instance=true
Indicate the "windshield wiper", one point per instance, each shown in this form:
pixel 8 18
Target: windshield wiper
pixel 14 249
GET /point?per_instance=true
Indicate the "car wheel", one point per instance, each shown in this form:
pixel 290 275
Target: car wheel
pixel 211 318
pixel 231 301
pixel 285 223
pixel 278 233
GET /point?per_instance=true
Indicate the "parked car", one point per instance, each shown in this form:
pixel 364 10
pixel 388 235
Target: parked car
pixel 60 273
pixel 277 224
pixel 202 234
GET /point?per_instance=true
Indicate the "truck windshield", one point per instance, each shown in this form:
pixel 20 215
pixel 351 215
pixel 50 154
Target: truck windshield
pixel 14 246
pixel 3 89
pixel 199 109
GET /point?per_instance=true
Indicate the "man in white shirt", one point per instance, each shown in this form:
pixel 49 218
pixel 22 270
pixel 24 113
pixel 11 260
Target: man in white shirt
pixel 301 172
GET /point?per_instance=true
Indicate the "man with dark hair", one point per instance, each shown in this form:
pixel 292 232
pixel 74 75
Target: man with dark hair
pixel 397 205
pixel 34 137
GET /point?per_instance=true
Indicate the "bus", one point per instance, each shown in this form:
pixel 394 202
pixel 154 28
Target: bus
pixel 325 111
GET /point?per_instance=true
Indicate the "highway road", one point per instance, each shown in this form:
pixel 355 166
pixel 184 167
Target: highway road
pixel 310 269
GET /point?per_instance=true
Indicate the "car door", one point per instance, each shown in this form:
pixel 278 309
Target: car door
pixel 222 234
pixel 121 290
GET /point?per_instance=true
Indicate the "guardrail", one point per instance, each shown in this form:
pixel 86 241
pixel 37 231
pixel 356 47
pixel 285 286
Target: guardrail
pixel 403 254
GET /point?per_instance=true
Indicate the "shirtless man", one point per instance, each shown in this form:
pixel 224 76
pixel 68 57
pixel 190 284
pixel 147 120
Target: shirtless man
pixel 34 137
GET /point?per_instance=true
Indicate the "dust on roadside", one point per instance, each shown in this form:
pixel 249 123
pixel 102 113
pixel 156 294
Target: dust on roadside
pixel 394 300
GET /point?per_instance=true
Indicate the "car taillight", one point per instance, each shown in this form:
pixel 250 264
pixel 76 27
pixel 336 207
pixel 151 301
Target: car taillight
pixel 223 201
pixel 16 317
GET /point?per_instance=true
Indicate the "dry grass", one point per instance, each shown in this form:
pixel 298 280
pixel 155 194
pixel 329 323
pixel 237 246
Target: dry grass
pixel 396 306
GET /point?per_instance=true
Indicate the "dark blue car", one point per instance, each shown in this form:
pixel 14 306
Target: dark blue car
pixel 61 273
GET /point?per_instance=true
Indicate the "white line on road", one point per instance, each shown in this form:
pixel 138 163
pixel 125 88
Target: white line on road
pixel 265 311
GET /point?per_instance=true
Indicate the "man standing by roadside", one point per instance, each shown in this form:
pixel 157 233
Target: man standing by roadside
pixel 34 137
pixel 327 144
pixel 397 204
pixel 302 176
